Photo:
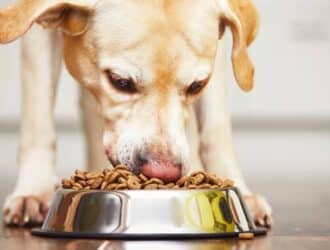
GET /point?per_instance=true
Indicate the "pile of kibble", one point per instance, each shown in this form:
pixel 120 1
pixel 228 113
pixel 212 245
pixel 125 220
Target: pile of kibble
pixel 120 178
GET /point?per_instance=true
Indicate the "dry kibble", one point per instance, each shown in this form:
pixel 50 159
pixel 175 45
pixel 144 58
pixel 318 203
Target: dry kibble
pixel 246 236
pixel 97 183
pixel 107 175
pixel 151 186
pixel 170 185
pixel 93 175
pixel 212 179
pixel 197 179
pixel 104 185
pixel 66 183
pixel 227 183
pixel 182 180
pixel 121 167
pixel 143 177
pixel 162 187
pixel 121 186
pixel 77 185
pixel 157 181
pixel 80 175
pixel 82 182
pixel 186 184
pixel 114 177
pixel 153 181
pixel 135 178
pixel 124 172
pixel 205 185
pixel 121 178
pixel 111 186
pixel 132 183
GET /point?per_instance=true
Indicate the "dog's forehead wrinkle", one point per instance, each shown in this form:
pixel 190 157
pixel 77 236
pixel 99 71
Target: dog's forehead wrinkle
pixel 121 24
pixel 126 23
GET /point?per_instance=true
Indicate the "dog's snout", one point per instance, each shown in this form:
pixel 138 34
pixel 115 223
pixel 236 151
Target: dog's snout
pixel 161 167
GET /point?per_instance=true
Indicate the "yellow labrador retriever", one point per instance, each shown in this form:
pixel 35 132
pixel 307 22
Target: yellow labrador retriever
pixel 142 65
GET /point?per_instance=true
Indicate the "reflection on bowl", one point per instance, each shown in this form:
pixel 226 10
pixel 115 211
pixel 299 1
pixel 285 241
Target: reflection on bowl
pixel 152 214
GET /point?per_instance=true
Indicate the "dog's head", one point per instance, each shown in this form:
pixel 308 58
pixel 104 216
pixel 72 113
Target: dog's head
pixel 145 61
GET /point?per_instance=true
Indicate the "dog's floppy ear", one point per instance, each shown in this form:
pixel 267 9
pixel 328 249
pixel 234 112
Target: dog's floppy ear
pixel 242 18
pixel 71 16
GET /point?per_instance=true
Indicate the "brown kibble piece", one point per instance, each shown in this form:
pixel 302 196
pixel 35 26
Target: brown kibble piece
pixel 121 167
pixel 122 180
pixel 97 183
pixel 162 187
pixel 246 236
pixel 135 178
pixel 66 183
pixel 154 181
pixel 107 175
pixel 157 181
pixel 104 185
pixel 197 179
pixel 212 179
pixel 113 177
pixel 82 182
pixel 111 186
pixel 124 173
pixel 132 183
pixel 182 180
pixel 77 185
pixel 143 177
pixel 227 183
pixel 205 185
pixel 121 186
pixel 93 175
pixel 80 175
pixel 170 185
pixel 151 186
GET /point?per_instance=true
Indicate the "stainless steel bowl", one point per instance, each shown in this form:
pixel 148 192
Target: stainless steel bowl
pixel 148 214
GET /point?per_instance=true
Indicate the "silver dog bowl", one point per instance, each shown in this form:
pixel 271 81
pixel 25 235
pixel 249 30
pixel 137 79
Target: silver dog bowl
pixel 148 214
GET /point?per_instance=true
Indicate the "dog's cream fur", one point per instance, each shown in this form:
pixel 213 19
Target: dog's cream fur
pixel 164 46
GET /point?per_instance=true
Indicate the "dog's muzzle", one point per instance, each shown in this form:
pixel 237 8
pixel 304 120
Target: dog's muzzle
pixel 164 166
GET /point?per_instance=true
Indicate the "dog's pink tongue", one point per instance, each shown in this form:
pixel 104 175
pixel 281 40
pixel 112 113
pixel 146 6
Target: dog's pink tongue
pixel 161 169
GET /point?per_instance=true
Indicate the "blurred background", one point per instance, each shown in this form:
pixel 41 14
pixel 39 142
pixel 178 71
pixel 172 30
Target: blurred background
pixel 281 129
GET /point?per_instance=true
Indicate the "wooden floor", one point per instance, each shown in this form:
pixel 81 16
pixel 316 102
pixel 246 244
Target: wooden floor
pixel 302 212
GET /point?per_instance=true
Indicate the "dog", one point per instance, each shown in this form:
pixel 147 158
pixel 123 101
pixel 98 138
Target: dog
pixel 152 77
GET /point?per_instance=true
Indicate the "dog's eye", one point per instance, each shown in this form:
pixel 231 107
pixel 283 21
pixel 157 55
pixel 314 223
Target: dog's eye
pixel 126 85
pixel 196 87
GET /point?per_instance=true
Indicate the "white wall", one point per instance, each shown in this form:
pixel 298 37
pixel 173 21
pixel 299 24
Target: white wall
pixel 292 58
pixel 291 54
